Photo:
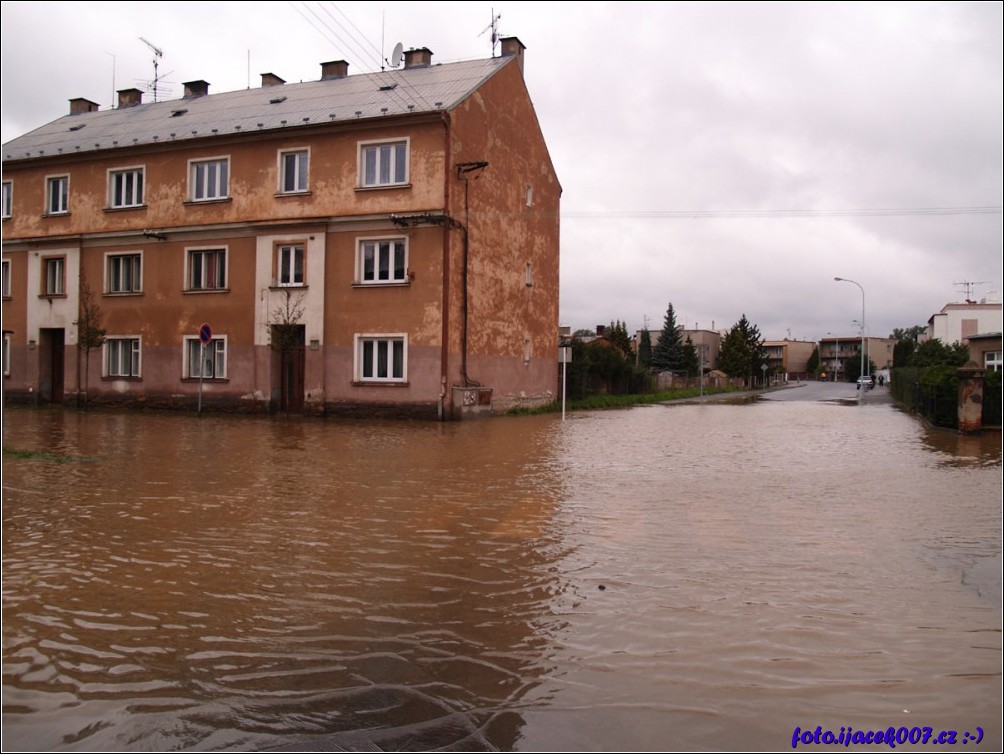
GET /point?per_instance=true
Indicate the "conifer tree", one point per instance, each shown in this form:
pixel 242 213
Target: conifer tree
pixel 667 355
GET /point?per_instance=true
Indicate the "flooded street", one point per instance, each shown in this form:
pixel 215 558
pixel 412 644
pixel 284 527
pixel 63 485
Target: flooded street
pixel 706 576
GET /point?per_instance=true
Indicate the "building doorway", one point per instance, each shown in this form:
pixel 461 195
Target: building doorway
pixel 51 364
pixel 288 344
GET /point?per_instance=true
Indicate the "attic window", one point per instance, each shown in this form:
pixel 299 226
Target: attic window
pixel 388 87
pixel 77 127
pixel 276 100
pixel 176 113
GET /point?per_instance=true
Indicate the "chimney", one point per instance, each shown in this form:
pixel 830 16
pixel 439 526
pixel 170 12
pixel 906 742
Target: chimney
pixel 420 58
pixel 81 105
pixel 270 79
pixel 130 97
pixel 196 89
pixel 334 69
pixel 512 47
pixel 601 330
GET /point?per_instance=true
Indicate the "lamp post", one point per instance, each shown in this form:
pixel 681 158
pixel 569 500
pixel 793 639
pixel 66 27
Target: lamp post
pixel 863 351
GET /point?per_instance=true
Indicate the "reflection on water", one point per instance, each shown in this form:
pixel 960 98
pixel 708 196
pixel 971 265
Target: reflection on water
pixel 705 576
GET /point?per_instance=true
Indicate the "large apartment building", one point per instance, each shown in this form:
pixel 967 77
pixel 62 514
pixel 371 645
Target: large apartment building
pixel 382 242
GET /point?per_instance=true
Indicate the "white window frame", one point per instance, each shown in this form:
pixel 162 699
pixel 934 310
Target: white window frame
pixel 289 274
pixel 202 270
pixel 126 187
pixel 118 348
pixel 6 355
pixel 209 179
pixel 8 199
pixel 370 253
pixel 380 163
pixel 6 290
pixel 55 284
pixel 216 351
pixel 295 164
pixel 57 201
pixel 992 361
pixel 376 357
pixel 134 276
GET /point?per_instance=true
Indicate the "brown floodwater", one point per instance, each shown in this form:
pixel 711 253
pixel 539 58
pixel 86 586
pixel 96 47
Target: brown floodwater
pixel 700 577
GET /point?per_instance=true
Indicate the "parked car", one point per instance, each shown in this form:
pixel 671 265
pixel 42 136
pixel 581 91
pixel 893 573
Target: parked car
pixel 868 381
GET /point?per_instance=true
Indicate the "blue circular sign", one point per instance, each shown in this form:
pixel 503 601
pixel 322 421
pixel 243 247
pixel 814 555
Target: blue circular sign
pixel 205 333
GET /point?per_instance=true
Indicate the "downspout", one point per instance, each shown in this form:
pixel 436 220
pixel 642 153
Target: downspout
pixel 463 168
pixel 444 354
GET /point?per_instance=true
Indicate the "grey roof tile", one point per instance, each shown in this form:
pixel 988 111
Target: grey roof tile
pixel 370 95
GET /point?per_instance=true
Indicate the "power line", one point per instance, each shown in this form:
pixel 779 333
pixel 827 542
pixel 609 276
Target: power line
pixel 772 213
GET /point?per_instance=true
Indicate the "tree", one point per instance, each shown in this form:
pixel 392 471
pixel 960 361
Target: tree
pixel 90 334
pixel 667 356
pixel 852 367
pixel 908 333
pixel 645 350
pixel 742 351
pixel 902 352
pixel 691 362
pixel 584 333
pixel 935 353
pixel 812 365
pixel 618 335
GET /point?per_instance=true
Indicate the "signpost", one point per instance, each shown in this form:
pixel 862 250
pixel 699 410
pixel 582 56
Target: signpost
pixel 205 338
pixel 564 356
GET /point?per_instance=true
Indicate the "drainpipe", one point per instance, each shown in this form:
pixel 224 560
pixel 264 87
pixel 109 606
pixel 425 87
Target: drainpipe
pixel 444 354
pixel 463 168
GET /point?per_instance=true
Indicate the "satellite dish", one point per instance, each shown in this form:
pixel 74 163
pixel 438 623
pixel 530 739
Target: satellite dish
pixel 395 57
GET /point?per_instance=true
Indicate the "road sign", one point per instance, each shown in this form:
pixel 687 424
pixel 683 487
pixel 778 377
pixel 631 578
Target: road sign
pixel 205 333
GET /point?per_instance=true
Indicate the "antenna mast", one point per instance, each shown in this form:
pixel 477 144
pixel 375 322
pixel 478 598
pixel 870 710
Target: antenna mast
pixel 157 53
pixel 494 27
pixel 968 284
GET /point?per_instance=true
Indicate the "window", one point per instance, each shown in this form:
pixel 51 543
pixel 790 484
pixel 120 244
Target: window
pixel 383 164
pixel 6 355
pixel 207 270
pixel 125 188
pixel 57 195
pixel 6 278
pixel 290 264
pixel 209 363
pixel 992 361
pixel 122 357
pixel 54 276
pixel 381 358
pixel 209 180
pixel 383 260
pixel 293 171
pixel 124 273
pixel 8 199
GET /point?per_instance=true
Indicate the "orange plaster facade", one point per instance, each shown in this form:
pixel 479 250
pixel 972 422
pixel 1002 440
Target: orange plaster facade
pixel 329 297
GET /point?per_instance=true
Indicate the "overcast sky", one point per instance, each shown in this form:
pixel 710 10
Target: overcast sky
pixel 729 158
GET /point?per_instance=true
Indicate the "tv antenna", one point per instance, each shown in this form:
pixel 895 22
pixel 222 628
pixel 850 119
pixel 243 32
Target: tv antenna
pixel 968 285
pixel 157 53
pixel 494 27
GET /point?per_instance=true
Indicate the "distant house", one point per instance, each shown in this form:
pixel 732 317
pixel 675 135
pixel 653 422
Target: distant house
pixel 789 358
pixel 956 322
pixel 396 233
pixel 985 350
pixel 834 352
pixel 706 342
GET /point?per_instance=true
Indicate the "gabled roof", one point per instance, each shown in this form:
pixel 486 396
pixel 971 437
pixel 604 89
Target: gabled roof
pixel 268 108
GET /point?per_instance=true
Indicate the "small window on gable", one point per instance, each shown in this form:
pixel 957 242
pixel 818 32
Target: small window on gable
pixel 8 199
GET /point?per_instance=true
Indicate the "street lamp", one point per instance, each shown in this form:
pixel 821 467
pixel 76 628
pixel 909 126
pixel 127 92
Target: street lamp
pixel 863 350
